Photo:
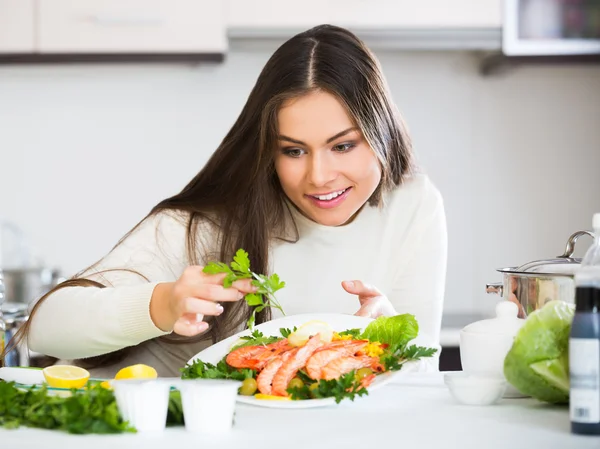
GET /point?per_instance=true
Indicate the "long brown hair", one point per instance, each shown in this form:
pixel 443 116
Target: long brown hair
pixel 238 190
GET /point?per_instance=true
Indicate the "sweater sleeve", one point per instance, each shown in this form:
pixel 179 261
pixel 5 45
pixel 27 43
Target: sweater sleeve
pixel 81 322
pixel 419 284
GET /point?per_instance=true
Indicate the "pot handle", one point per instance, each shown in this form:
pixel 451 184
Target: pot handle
pixel 496 289
pixel 570 248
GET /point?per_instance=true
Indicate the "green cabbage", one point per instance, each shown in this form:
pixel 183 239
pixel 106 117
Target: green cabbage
pixel 538 363
pixel 396 330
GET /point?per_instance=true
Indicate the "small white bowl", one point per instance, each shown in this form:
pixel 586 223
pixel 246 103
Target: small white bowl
pixel 143 403
pixel 472 389
pixel 208 404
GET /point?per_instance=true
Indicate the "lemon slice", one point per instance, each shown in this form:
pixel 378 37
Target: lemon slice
pixel 66 376
pixel 308 329
pixel 139 371
pixel 270 397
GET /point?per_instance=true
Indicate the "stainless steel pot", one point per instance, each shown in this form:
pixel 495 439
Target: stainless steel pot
pixel 26 285
pixel 533 284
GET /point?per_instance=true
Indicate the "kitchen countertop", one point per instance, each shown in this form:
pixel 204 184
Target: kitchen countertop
pixel 416 411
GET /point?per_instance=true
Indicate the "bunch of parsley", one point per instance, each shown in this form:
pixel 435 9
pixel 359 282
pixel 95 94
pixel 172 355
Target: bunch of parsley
pixel 240 269
pixel 93 410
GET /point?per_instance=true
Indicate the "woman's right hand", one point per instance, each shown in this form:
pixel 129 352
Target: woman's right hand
pixel 181 305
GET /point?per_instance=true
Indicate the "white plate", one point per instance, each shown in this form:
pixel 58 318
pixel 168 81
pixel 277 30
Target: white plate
pixel 338 322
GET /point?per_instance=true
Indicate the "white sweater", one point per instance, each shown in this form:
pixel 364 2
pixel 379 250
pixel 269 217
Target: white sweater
pixel 401 249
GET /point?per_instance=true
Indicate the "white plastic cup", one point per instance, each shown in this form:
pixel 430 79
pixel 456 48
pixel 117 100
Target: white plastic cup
pixel 144 403
pixel 208 404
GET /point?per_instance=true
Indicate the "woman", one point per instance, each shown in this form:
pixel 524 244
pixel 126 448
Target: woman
pixel 315 180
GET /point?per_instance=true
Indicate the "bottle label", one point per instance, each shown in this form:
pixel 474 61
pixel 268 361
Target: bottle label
pixel 584 367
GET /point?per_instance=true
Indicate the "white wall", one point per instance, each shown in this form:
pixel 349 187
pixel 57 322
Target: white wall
pixel 86 151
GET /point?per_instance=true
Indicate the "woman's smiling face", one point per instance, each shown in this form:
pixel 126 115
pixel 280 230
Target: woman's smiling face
pixel 324 164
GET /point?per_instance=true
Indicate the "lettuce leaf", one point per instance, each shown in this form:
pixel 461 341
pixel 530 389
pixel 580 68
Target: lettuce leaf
pixel 396 330
pixel 538 363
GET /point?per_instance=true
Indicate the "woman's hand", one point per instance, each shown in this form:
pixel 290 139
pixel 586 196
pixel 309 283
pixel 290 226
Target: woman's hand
pixel 182 305
pixel 373 303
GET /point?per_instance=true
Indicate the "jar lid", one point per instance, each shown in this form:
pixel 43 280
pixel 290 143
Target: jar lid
pixel 563 265
pixel 505 323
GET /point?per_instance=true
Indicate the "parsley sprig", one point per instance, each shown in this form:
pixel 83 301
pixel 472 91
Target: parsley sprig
pixel 395 358
pixel 203 370
pixel 240 269
pixel 346 386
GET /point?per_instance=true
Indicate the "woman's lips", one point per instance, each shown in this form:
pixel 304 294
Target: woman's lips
pixel 329 203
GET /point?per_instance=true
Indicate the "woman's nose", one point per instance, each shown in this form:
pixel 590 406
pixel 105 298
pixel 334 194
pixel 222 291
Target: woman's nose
pixel 322 170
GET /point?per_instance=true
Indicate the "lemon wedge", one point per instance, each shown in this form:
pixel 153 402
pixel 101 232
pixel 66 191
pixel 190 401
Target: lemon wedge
pixel 139 371
pixel 66 376
pixel 308 329
pixel 270 397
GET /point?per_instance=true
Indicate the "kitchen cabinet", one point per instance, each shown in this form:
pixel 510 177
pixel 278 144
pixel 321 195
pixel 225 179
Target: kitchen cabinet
pixel 364 14
pixel 17 21
pixel 409 14
pixel 264 15
pixel 132 26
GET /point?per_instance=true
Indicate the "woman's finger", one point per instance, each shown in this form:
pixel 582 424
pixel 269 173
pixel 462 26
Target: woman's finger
pixel 195 306
pixel 196 273
pixel 216 293
pixel 370 308
pixel 245 286
pixel 363 290
pixel 188 326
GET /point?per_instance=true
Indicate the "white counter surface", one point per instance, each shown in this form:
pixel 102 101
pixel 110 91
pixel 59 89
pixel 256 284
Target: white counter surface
pixel 416 412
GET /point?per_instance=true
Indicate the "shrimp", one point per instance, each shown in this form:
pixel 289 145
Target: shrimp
pixel 263 358
pixel 253 356
pixel 289 368
pixel 367 380
pixel 342 344
pixel 265 378
pixel 343 365
pixel 329 352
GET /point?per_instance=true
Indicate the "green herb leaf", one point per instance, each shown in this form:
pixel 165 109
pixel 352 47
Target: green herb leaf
pixel 175 410
pixel 396 330
pixel 202 370
pixel 254 299
pixel 240 269
pixel 346 387
pixel 354 333
pixel 241 262
pixel 216 268
pixel 93 410
pixel 393 360
pixel 285 332
pixel 229 280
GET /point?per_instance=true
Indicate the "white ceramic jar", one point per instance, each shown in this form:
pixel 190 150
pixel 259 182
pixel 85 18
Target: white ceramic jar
pixel 484 344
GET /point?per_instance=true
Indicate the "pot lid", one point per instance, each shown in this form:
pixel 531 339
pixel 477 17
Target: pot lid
pixel 564 265
pixel 505 323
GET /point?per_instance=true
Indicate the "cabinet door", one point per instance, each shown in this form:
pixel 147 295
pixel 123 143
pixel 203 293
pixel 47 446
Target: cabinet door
pixel 17 20
pixel 277 15
pixel 131 26
pixel 410 14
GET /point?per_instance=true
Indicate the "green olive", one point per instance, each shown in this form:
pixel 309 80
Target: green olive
pixel 363 372
pixel 296 382
pixel 313 387
pixel 248 387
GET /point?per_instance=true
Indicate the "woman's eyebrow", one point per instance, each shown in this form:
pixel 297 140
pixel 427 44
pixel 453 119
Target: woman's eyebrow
pixel 331 139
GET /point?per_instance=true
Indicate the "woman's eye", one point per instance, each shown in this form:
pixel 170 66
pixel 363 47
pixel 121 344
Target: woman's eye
pixel 343 147
pixel 292 152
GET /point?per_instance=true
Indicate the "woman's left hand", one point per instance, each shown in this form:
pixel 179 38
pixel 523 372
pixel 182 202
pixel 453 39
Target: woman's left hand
pixel 373 303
